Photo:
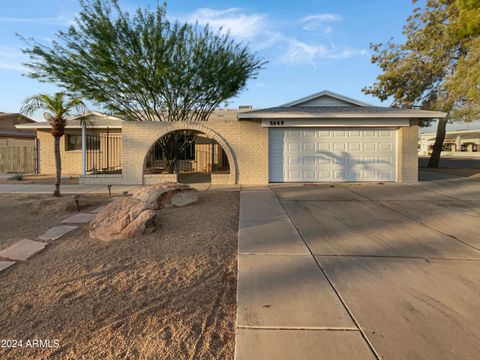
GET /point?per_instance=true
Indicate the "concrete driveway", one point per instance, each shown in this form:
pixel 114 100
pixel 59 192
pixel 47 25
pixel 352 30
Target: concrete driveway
pixel 346 271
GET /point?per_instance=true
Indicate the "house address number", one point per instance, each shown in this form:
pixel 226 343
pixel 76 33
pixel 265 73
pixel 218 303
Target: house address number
pixel 276 122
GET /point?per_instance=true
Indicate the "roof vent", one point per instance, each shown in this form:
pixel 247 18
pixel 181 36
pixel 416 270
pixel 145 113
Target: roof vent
pixel 245 107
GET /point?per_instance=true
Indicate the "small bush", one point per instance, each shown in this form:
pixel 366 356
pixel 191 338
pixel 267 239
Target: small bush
pixel 17 177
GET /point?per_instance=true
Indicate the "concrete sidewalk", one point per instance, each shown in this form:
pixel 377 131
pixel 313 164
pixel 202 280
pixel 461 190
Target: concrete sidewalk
pixel 286 307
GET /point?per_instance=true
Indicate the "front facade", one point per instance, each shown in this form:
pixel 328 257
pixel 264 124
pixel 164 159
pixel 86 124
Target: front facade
pixel 460 143
pixel 321 138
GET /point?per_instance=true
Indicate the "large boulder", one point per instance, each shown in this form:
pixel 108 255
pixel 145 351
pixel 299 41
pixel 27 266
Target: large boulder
pixel 123 218
pixel 166 195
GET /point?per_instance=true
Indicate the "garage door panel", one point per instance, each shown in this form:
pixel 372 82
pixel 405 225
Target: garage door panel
pixel 309 160
pixel 293 160
pixel 324 160
pixel 309 146
pixel 354 146
pixel 332 154
pixel 384 146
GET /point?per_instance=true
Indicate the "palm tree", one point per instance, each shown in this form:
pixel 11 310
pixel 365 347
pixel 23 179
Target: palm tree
pixel 57 107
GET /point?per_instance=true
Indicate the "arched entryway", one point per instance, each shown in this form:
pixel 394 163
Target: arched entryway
pixel 203 156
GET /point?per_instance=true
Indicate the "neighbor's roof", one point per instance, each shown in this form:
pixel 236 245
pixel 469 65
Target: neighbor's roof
pixel 17 115
pixel 7 115
pixel 17 133
pixel 452 134
pixel 92 119
pixel 327 104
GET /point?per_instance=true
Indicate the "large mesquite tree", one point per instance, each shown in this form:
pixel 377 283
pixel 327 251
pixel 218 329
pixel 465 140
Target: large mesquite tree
pixel 143 66
pixel 438 65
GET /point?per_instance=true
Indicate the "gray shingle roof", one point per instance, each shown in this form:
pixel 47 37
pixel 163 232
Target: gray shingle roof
pixel 338 111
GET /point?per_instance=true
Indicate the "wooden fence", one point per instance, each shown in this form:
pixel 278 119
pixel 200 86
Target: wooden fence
pixel 18 159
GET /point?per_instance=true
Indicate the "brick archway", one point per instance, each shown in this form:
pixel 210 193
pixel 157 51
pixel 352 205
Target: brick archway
pixel 205 130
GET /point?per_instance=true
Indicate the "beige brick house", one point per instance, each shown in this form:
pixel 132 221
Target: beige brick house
pixel 324 137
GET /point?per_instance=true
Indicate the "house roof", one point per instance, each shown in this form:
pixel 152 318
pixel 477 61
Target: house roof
pixel 302 112
pixel 92 119
pixel 307 100
pixel 5 115
pixel 327 104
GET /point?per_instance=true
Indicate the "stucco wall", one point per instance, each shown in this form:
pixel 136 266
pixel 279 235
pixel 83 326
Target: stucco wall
pixel 408 153
pixel 247 142
pixel 71 160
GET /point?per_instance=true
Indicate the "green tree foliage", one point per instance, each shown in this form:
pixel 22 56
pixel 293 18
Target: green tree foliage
pixel 57 107
pixel 437 67
pixel 142 66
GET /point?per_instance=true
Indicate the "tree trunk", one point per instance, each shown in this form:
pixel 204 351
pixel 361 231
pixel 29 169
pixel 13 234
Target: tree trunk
pixel 58 166
pixel 438 145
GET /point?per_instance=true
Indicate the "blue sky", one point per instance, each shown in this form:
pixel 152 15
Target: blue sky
pixel 310 45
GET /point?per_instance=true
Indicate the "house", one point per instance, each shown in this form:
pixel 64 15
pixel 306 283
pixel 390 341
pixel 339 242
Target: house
pixel 464 143
pixel 9 135
pixel 322 137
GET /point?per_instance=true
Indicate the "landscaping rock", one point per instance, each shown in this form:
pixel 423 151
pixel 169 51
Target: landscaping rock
pixel 166 195
pixel 125 217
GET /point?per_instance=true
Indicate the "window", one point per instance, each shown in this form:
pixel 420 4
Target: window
pixel 190 151
pixel 74 142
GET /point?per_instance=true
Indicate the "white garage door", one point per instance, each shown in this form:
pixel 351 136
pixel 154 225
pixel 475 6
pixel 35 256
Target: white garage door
pixel 337 154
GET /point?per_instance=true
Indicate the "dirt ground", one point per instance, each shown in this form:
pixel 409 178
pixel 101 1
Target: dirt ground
pixel 166 295
pixel 30 215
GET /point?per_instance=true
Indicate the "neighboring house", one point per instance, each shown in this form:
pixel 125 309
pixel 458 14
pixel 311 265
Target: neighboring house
pixel 457 143
pixel 322 137
pixel 10 135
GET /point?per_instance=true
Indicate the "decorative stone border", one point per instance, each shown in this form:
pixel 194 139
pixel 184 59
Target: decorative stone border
pixel 221 179
pixel 149 179
pixel 96 179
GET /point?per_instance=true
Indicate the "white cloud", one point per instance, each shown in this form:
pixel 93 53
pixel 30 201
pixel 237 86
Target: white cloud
pixel 318 22
pixel 321 18
pixel 299 53
pixel 240 24
pixel 263 33
pixel 58 20
pixel 11 58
